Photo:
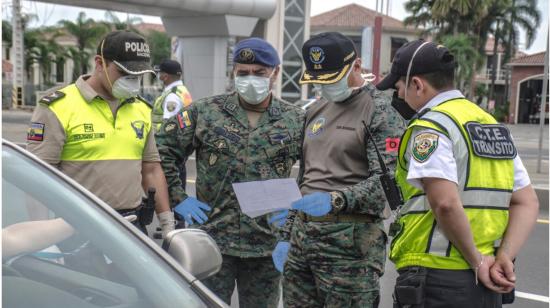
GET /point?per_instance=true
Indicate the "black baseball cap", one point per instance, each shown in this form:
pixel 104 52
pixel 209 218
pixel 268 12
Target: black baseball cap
pixel 429 58
pixel 128 50
pixel 168 66
pixel 328 57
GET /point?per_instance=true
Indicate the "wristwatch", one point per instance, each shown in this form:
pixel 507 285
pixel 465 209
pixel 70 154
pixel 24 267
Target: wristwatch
pixel 337 201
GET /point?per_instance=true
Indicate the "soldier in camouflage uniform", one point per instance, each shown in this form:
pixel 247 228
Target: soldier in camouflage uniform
pixel 337 245
pixel 247 135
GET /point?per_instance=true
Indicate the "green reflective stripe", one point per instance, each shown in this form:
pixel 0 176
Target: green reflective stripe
pixel 92 133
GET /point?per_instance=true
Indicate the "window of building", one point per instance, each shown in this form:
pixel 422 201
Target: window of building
pixel 396 43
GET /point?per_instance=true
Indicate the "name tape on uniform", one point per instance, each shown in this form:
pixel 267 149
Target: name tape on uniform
pixel 491 140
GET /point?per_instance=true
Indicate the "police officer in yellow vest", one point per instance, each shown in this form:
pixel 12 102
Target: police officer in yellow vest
pixel 465 190
pixel 99 132
pixel 175 95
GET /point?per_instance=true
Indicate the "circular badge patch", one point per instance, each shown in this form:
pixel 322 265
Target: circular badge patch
pixel 316 128
pixel 316 55
pixel 247 55
pixel 424 145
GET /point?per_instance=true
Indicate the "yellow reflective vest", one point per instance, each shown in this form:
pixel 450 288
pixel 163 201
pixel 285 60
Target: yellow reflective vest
pixel 158 107
pixel 92 133
pixel 484 152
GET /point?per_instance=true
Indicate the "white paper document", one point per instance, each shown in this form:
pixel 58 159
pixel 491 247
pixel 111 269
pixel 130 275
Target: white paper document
pixel 261 197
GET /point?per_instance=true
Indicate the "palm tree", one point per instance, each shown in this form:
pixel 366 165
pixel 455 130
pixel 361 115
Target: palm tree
pixel 466 55
pixel 114 23
pixel 477 19
pixel 87 33
pixel 161 42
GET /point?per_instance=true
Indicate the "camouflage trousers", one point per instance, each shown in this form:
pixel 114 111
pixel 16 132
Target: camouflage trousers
pixel 334 265
pixel 257 281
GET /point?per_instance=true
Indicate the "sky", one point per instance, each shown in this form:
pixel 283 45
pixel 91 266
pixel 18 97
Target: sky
pixel 49 14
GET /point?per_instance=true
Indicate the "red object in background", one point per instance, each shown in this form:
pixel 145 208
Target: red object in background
pixel 392 144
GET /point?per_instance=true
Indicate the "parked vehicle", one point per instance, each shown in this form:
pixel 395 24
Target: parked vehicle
pixel 47 267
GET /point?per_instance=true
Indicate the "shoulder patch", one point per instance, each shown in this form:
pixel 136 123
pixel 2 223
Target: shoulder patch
pixel 50 98
pixel 35 132
pixel 424 145
pixel 183 119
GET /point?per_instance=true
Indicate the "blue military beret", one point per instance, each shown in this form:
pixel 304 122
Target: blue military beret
pixel 255 51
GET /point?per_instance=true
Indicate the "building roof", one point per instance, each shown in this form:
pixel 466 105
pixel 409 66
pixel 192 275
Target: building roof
pixel 536 59
pixel 355 16
pixel 145 28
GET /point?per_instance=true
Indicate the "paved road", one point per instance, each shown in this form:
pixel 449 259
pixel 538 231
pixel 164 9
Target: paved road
pixel 532 263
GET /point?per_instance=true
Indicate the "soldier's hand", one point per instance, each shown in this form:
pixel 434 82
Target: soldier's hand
pixel 279 218
pixel 315 204
pixel 167 222
pixel 280 254
pixel 192 209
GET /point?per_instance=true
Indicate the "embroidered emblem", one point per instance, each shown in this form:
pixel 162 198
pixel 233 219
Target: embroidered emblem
pixel 424 145
pixel 316 55
pixel 212 159
pixel 138 127
pixel 170 127
pixel 36 131
pixel 171 106
pixel 88 128
pixel 246 55
pixel 316 128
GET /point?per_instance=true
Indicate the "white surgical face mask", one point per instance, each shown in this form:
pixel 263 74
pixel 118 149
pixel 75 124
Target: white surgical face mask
pixel 336 92
pixel 253 89
pixel 126 87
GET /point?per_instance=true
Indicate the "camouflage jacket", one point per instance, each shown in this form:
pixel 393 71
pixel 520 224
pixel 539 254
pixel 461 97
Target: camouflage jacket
pixel 364 195
pixel 228 151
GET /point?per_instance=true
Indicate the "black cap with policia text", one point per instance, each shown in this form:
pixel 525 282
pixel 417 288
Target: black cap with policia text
pixel 429 58
pixel 128 50
pixel 328 57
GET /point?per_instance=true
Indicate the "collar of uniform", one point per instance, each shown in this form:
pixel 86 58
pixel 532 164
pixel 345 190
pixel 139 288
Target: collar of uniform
pixel 174 84
pixel 442 97
pixel 232 107
pixel 87 92
pixel 274 108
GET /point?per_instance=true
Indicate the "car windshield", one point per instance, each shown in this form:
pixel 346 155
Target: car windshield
pixel 60 249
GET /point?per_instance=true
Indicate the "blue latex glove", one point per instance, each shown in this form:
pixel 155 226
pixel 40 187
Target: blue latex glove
pixel 192 208
pixel 315 204
pixel 279 218
pixel 280 254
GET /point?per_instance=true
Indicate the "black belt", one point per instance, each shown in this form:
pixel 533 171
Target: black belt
pixel 360 218
pixel 128 212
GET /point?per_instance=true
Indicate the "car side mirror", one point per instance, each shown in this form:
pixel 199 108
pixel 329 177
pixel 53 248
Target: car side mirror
pixel 195 250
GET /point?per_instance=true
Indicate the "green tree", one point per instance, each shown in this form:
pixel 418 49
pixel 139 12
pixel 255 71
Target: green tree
pixel 160 46
pixel 114 23
pixel 476 19
pixel 87 33
pixel 466 56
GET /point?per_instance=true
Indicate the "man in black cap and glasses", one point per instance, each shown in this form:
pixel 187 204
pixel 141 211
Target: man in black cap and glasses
pixel 464 186
pixel 335 240
pixel 99 131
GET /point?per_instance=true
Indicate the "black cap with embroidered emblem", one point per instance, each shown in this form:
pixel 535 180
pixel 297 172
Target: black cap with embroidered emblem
pixel 128 50
pixel 328 57
pixel 429 58
pixel 255 51
pixel 168 66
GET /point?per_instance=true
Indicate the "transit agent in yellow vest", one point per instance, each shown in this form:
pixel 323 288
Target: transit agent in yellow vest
pixel 175 95
pixel 99 132
pixel 464 186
